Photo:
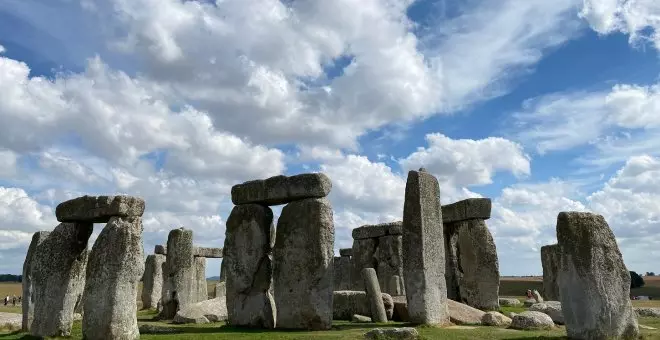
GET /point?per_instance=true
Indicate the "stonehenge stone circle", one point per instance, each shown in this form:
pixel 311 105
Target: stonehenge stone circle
pixel 594 282
pixel 116 264
pixel 423 250
pixel 378 246
pixel 152 281
pixel 303 264
pixel 550 259
pixel 472 268
pixel 28 280
pixel 372 287
pixel 58 278
pixel 99 209
pixel 248 268
pixel 282 189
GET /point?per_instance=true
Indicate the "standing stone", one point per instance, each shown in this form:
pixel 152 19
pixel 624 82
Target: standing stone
pixel 179 284
pixel 113 274
pixel 28 279
pixel 594 282
pixel 389 254
pixel 342 273
pixel 423 250
pixel 152 282
pixel 363 257
pixel 480 280
pixel 395 285
pixel 550 258
pixel 303 273
pixel 247 267
pixel 452 262
pixel 58 271
pixel 201 288
pixel 372 287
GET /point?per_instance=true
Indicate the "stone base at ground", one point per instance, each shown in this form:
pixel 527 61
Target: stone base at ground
pixel 495 319
pixel 552 309
pixel 462 314
pixel 213 310
pixel 349 302
pixel 532 321
pixel 404 333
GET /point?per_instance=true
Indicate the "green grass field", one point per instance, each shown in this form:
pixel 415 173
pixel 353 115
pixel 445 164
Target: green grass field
pixel 347 330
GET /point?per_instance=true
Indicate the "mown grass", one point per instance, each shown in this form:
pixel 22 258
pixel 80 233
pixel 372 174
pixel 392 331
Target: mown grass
pixel 347 330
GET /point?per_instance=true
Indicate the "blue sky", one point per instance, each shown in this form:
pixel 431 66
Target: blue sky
pixel 543 107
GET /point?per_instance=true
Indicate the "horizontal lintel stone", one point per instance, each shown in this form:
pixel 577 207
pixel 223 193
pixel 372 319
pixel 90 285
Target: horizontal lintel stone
pixel 214 253
pixel 468 209
pixel 281 189
pixel 99 209
pixel 377 230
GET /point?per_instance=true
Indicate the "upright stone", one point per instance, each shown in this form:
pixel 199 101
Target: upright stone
pixel 152 281
pixel 201 289
pixel 452 262
pixel 389 254
pixel 28 279
pixel 423 250
pixel 372 287
pixel 58 271
pixel 247 267
pixel 363 257
pixel 113 274
pixel 594 282
pixel 480 280
pixel 550 259
pixel 303 272
pixel 342 273
pixel 179 284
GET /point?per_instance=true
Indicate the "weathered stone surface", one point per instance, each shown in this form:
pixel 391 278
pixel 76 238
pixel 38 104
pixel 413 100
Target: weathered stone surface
pixel 403 333
pixel 479 277
pixel 530 302
pixel 423 250
pixel 99 209
pixel 389 257
pixel 550 257
pixel 220 290
pixel 462 314
pixel 374 297
pixel 180 284
pixel 248 267
pixel 303 270
pixel 342 273
pixel 495 319
pixel 152 281
pixel 400 312
pixel 113 274
pixel 200 287
pixel 153 329
pixel 594 283
pixel 213 310
pixel 532 321
pixel 360 318
pixel 346 252
pixel 377 230
pixel 452 263
pixel 160 249
pixel 349 302
pixel 363 257
pixel 58 278
pixel 649 312
pixel 282 189
pixel 509 302
pixel 552 309
pixel 211 253
pixel 28 280
pixel 468 209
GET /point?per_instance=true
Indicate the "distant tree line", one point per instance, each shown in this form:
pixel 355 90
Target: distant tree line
pixel 636 280
pixel 10 278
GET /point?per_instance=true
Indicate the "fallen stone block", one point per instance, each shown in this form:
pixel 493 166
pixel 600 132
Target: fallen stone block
pixel 282 189
pixel 99 209
pixel 403 333
pixel 468 209
pixel 462 314
pixel 495 319
pixel 552 309
pixel 400 310
pixel 214 310
pixel 532 321
pixel 349 302
pixel 360 318
pixel 509 302
pixel 153 329
pixel 648 312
